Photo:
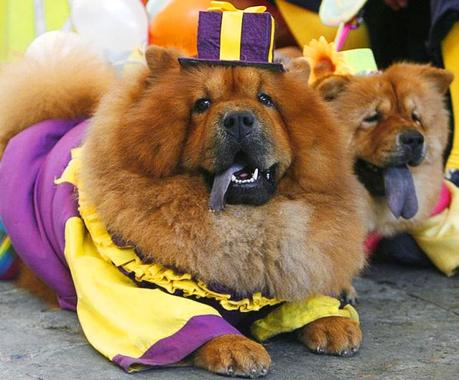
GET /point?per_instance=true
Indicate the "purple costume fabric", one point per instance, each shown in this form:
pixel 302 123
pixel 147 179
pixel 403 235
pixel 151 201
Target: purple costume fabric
pixel 33 209
pixel 197 331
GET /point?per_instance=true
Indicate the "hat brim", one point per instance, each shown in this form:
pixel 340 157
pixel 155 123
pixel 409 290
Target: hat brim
pixel 262 65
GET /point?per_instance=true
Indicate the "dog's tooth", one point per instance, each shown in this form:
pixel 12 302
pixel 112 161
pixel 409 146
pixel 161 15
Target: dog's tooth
pixel 233 178
pixel 267 175
pixel 255 174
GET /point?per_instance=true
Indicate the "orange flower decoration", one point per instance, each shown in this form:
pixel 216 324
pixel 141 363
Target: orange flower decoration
pixel 324 59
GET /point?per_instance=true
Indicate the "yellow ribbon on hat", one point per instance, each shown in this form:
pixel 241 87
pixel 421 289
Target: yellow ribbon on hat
pixel 225 6
pixel 231 29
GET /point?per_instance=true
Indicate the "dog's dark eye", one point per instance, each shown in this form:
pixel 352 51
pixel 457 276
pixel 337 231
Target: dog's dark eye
pixel 265 99
pixel 201 105
pixel 415 116
pixel 373 118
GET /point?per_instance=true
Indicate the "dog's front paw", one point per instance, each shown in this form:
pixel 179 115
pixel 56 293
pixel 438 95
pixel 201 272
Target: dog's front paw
pixel 332 335
pixel 233 355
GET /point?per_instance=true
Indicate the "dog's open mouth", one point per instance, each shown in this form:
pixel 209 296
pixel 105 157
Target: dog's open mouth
pixel 242 184
pixel 394 182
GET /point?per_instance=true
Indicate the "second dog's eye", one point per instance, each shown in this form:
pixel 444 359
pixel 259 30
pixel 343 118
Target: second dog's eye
pixel 415 116
pixel 202 105
pixel 265 99
pixel 373 118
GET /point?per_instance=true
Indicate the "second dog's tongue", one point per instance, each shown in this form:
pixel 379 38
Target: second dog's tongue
pixel 220 187
pixel 400 192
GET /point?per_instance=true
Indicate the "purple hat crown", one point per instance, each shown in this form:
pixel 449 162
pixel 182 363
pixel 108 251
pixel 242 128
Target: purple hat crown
pixel 229 36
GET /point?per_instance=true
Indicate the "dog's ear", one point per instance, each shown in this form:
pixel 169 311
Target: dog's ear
pixel 299 67
pixel 439 77
pixel 330 87
pixel 160 59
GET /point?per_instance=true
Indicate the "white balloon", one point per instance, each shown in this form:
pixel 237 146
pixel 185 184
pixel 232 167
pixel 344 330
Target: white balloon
pixel 52 46
pixel 114 25
pixel 154 7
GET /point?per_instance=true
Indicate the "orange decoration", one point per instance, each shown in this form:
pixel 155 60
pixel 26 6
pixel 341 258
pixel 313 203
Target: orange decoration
pixel 176 25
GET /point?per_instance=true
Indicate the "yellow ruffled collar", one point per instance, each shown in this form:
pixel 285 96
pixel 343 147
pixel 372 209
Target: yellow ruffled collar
pixel 127 260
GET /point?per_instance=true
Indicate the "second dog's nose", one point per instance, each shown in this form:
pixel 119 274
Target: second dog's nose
pixel 239 123
pixel 412 139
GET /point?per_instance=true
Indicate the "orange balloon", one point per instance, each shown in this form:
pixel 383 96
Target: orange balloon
pixel 176 25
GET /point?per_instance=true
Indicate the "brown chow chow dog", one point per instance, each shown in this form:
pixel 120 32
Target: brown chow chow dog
pixel 258 147
pixel 399 126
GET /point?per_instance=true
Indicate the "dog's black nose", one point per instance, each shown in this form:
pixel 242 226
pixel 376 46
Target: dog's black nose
pixel 411 139
pixel 239 123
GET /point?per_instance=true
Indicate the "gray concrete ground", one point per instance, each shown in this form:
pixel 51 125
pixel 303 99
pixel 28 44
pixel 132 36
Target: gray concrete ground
pixel 410 320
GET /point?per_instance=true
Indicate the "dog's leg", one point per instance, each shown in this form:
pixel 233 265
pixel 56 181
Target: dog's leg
pixel 332 335
pixel 233 355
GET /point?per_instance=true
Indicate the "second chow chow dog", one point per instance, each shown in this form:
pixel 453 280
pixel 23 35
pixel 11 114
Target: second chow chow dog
pixel 400 127
pixel 157 278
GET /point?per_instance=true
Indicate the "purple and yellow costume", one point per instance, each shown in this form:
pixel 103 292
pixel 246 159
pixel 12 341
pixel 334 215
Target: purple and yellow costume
pixel 133 313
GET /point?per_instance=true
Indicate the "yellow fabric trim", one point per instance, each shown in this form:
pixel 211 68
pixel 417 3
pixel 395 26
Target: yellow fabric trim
pixel 117 316
pixel 450 49
pixel 294 315
pixel 439 236
pixel 127 259
pixel 306 25
pixel 230 36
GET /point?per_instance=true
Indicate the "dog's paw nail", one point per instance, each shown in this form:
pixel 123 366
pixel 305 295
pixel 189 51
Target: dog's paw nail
pixel 354 349
pixel 230 370
pixel 320 350
pixel 344 353
pixel 264 371
pixel 254 373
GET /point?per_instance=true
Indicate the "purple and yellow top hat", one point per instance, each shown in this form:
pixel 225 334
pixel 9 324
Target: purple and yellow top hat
pixel 234 37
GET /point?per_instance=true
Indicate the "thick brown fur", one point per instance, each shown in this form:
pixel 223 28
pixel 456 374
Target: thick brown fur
pixel 66 86
pixel 396 93
pixel 149 189
pixel 142 163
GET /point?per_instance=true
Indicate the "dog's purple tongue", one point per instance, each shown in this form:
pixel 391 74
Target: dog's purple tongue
pixel 400 192
pixel 220 187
